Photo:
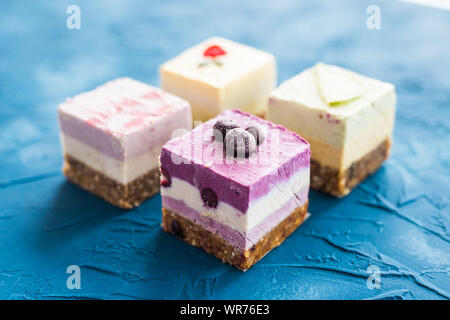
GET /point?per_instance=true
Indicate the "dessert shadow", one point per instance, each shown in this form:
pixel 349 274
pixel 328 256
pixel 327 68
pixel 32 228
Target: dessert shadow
pixel 72 212
pixel 177 256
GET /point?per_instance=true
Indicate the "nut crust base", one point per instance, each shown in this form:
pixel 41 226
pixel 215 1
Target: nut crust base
pixel 198 236
pixel 339 184
pixel 123 196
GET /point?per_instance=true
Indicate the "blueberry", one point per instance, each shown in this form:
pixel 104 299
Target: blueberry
pixel 176 229
pixel 240 143
pixel 259 132
pixel 166 181
pixel 209 198
pixel 221 127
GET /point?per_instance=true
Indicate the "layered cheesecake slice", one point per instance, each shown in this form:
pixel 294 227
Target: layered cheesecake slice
pixel 112 137
pixel 236 186
pixel 347 118
pixel 220 74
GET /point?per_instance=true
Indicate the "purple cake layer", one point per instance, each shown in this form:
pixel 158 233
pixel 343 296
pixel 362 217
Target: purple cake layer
pixel 196 158
pixel 92 136
pixel 279 215
pixel 234 237
pixel 124 118
pixel 226 232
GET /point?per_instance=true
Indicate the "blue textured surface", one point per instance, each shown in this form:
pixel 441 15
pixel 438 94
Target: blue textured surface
pixel 398 219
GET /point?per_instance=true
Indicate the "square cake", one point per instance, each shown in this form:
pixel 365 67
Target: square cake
pixel 112 137
pixel 236 186
pixel 220 74
pixel 347 118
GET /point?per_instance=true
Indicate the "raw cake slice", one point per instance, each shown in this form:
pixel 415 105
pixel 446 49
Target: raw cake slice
pixel 347 118
pixel 220 74
pixel 236 186
pixel 112 137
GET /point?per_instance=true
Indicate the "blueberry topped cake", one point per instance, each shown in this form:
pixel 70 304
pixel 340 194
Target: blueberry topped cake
pixel 236 186
pixel 219 74
pixel 112 137
pixel 347 118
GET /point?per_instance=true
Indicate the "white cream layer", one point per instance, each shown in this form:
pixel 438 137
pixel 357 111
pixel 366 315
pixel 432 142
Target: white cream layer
pixel 257 210
pixel 121 171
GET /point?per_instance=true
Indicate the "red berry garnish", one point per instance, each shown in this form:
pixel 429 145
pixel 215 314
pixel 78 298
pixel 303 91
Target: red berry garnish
pixel 209 198
pixel 166 181
pixel 214 51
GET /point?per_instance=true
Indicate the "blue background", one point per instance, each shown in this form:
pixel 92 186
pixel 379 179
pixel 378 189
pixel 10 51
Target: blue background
pixel 398 219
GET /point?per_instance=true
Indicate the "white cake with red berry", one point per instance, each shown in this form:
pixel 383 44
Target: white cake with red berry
pixel 220 74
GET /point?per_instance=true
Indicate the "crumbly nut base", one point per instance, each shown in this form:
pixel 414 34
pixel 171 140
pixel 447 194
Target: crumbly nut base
pixel 337 183
pixel 197 236
pixel 124 196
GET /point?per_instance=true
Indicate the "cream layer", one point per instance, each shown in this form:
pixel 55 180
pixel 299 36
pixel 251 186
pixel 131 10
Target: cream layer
pixel 258 209
pixel 120 171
